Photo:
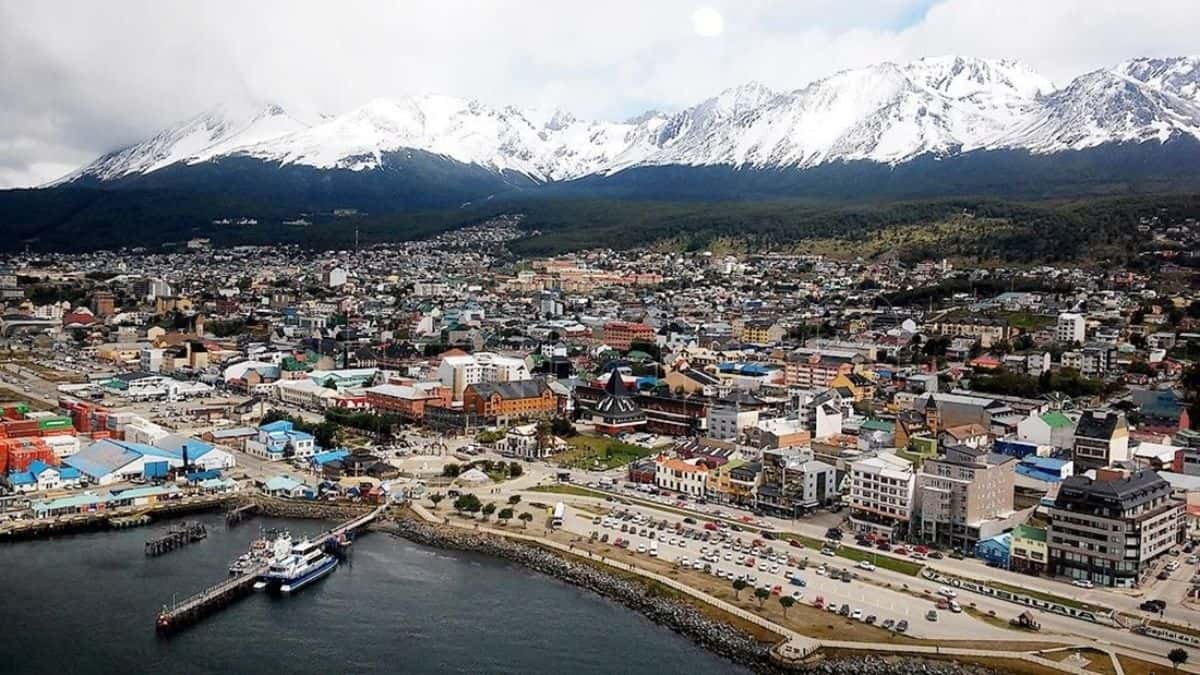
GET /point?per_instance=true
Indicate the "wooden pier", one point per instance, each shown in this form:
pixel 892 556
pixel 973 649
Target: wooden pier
pixel 177 537
pixel 196 606
pixel 240 513
pixel 224 592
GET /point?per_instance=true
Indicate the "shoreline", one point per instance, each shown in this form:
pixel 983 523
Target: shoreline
pixel 682 617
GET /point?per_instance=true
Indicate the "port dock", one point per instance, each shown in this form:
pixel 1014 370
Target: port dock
pixel 240 513
pixel 228 590
pixel 177 537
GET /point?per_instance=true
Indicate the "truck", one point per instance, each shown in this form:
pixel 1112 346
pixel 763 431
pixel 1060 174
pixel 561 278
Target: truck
pixel 556 519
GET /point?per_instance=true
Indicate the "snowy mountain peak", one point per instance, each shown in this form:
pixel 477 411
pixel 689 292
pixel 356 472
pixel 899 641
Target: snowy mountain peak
pixel 887 112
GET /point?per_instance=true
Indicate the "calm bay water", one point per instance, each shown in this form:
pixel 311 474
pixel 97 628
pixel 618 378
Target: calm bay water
pixel 86 604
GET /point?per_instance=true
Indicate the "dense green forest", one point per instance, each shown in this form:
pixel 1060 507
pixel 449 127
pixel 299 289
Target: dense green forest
pixel 1094 227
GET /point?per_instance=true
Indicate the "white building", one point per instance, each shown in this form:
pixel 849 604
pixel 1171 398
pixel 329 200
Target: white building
pixel 726 422
pixel 460 372
pixel 681 475
pixel 1071 327
pixel 881 488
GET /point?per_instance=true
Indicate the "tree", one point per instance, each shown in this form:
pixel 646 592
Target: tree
pixel 738 585
pixel 1178 657
pixel 468 503
pixel 514 500
pixel 786 601
pixel 488 509
pixel 525 517
pixel 505 514
pixel 762 594
pixel 436 498
pixel 515 470
pixel 451 470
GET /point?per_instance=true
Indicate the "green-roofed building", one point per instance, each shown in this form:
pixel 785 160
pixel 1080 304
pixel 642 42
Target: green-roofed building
pixel 1028 551
pixel 1054 428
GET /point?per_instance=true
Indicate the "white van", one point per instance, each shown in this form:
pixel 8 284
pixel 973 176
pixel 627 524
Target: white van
pixel 654 549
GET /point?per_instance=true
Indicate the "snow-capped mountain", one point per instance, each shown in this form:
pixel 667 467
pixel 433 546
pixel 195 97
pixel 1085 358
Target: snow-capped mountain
pixel 220 131
pixel 887 113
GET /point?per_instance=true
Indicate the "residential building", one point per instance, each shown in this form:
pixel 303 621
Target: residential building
pixel 1101 439
pixel 881 493
pixel 1071 327
pixel 1028 553
pixel 280 440
pixel 459 371
pixel 1110 529
pixel 1053 428
pixel 964 496
pixel 816 368
pixel 620 335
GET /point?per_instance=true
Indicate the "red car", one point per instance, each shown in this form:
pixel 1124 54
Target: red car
pixel 883 546
pixel 710 526
pixel 777 590
pixel 750 562
pixel 900 550
pixel 819 602
pixel 795 543
pixel 921 549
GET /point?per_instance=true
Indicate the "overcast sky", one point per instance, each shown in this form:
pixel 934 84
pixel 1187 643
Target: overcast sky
pixel 81 78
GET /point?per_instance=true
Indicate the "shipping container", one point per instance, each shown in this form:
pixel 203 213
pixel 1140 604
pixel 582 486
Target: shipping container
pixel 54 423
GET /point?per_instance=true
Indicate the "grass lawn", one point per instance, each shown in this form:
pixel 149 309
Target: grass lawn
pixel 568 490
pixel 1028 321
pixel 593 452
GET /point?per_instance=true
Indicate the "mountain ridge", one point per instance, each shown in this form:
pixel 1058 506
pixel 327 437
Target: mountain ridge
pixel 888 113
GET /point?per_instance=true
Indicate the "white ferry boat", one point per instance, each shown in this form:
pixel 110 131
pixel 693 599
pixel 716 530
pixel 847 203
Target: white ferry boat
pixel 296 566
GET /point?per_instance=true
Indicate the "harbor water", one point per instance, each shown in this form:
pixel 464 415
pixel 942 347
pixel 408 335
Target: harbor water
pixel 86 604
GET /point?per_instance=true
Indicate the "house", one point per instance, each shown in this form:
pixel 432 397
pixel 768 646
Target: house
pixel 678 475
pixel 286 486
pixel 1027 550
pixel 995 550
pixel 1050 428
pixel 522 441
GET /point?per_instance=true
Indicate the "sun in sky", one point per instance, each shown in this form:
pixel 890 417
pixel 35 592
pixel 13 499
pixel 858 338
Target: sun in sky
pixel 707 22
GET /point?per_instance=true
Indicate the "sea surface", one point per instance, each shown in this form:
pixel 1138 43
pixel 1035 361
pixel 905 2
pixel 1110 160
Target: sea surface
pixel 86 604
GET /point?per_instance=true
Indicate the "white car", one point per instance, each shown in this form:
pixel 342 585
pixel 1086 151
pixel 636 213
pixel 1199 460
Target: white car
pixel 866 565
pixel 641 548
pixel 948 592
pixel 728 557
pixel 799 595
pixel 1083 583
pixel 857 615
pixel 821 570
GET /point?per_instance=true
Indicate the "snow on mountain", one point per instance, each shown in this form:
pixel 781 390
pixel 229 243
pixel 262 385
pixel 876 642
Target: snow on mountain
pixel 1104 106
pixel 214 133
pixel 888 113
pixel 1179 75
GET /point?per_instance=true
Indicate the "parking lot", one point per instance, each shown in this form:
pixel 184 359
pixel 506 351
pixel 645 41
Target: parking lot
pixel 727 555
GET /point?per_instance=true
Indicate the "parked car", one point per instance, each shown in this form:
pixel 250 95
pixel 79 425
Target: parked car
pixel 931 615
pixel 1083 583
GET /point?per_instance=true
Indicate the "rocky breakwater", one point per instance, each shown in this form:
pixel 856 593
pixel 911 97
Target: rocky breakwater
pixel 716 636
pixel 308 509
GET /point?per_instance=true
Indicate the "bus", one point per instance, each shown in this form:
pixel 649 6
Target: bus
pixel 559 511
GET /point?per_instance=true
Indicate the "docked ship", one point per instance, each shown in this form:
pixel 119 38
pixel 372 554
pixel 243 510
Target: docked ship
pixel 295 565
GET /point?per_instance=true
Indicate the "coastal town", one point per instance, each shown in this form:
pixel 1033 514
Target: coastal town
pixel 837 451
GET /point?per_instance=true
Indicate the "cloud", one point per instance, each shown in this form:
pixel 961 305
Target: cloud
pixel 78 78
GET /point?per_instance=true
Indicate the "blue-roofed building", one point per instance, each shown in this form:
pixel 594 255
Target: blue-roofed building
pixel 109 461
pixel 201 455
pixel 995 550
pixel 42 476
pixel 323 458
pixel 286 486
pixel 1045 469
pixel 280 440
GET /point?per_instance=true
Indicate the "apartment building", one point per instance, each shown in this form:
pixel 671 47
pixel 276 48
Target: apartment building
pixel 622 334
pixel 459 371
pixel 1109 530
pixel 964 496
pixel 1028 552
pixel 986 331
pixel 1071 327
pixel 816 368
pixel 881 494
pixel 1101 439
pixel 793 482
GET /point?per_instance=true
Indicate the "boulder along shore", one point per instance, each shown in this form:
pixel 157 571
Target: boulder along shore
pixel 716 636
